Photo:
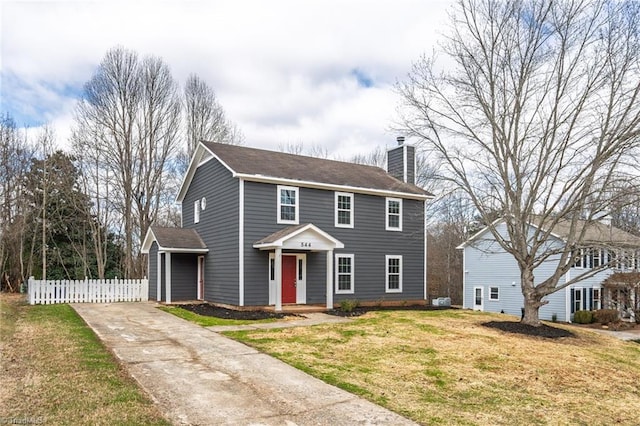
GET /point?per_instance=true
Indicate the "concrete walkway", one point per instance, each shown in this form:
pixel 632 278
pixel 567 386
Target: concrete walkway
pixel 198 377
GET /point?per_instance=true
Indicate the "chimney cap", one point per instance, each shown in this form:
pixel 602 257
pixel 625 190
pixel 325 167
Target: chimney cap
pixel 400 140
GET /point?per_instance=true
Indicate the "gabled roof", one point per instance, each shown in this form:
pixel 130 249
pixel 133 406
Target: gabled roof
pixel 174 240
pixel 596 233
pixel 311 237
pixel 276 167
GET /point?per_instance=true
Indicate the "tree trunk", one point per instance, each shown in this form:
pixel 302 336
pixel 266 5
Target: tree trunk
pixel 532 299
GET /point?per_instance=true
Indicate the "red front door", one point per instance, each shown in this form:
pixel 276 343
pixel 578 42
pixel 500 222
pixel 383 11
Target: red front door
pixel 288 279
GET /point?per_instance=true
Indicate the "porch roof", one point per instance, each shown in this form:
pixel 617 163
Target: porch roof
pixel 174 240
pixel 305 237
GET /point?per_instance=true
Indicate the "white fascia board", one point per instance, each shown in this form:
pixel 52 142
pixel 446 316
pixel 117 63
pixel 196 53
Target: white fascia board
pixel 182 250
pixel 331 187
pixel 196 161
pixel 148 242
pixel 477 234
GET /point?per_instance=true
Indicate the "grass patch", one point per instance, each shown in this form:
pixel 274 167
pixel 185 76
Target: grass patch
pixel 56 371
pixel 436 367
pixel 207 321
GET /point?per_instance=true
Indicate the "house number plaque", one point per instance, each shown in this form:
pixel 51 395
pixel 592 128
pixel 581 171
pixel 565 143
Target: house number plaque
pixel 305 244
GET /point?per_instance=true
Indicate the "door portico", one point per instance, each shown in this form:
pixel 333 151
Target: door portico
pixel 289 244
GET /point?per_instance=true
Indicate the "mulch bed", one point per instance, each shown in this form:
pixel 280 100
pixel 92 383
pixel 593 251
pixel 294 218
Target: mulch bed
pixel 361 310
pixel 214 311
pixel 529 330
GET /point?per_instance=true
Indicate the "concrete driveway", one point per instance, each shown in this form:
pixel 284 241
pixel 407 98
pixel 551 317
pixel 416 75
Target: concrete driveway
pixel 198 377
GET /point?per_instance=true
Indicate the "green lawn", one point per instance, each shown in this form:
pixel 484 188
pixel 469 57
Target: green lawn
pixel 444 367
pixel 56 371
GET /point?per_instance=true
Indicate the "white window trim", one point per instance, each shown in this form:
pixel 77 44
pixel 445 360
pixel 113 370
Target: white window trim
pixel 351 197
pixel 497 299
pixel 386 204
pixel 196 211
pixel 297 205
pixel 352 274
pixel 386 274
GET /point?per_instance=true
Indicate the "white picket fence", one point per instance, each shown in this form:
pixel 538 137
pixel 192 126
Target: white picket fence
pixel 87 291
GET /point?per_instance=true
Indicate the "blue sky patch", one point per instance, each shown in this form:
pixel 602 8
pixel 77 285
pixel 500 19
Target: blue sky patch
pixel 362 78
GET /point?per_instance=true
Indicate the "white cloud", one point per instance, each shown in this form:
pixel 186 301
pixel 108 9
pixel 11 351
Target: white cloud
pixel 283 70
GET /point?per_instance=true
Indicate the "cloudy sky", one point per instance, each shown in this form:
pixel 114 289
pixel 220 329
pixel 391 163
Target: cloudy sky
pixel 286 72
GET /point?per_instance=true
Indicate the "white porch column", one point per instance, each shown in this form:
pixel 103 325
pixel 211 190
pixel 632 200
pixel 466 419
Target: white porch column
pixel 167 278
pixel 159 278
pixel 330 279
pixel 278 279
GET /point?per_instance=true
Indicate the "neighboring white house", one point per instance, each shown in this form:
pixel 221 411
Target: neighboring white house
pixel 491 279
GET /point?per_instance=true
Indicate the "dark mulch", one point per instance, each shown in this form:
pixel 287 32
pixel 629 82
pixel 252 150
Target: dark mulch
pixel 208 310
pixel 361 310
pixel 529 330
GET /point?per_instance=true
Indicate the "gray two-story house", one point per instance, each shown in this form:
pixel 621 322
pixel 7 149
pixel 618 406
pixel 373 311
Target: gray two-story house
pixel 264 228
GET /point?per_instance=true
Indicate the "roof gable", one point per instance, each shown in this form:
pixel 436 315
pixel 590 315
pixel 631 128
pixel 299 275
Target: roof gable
pixel 174 240
pixel 597 232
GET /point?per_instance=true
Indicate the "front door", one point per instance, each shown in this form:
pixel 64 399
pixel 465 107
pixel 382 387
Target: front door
pixel 478 298
pixel 289 279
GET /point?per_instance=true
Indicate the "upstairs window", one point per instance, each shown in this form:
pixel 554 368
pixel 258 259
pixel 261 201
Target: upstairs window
pixel 196 211
pixel 394 274
pixel 344 210
pixel 394 214
pixel 288 206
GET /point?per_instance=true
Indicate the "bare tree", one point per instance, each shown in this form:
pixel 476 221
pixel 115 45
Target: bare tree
pixel 127 123
pixel 205 117
pixel 535 111
pixel 15 153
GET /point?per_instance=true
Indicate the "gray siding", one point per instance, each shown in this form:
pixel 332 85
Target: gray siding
pixel 153 271
pixel 396 163
pixel 184 276
pixel 218 228
pixel 368 241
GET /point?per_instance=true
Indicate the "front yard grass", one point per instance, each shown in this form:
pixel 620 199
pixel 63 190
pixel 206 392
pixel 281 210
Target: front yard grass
pixel 54 370
pixel 445 367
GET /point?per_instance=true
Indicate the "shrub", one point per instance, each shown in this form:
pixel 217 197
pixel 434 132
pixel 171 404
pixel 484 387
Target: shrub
pixel 583 317
pixel 606 316
pixel 348 305
pixel 554 317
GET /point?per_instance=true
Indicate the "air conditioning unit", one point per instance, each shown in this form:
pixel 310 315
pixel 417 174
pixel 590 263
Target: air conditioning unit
pixel 441 301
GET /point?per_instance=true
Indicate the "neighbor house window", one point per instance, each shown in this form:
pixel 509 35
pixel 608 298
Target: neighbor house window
pixel 394 274
pixel 196 212
pixel 494 293
pixel 394 214
pixel 344 210
pixel 344 274
pixel 288 205
pixel 596 299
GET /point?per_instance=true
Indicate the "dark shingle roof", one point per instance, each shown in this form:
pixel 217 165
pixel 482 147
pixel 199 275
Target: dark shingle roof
pixel 178 238
pixel 273 164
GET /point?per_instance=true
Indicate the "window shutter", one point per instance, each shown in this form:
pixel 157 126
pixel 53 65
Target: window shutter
pixel 591 299
pixel 573 301
pixel 584 298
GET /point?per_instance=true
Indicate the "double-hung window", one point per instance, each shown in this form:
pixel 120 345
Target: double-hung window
pixel 288 205
pixel 394 214
pixel 344 274
pixel 393 267
pixel 344 210
pixel 494 293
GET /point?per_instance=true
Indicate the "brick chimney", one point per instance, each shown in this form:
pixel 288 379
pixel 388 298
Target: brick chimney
pixel 401 162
